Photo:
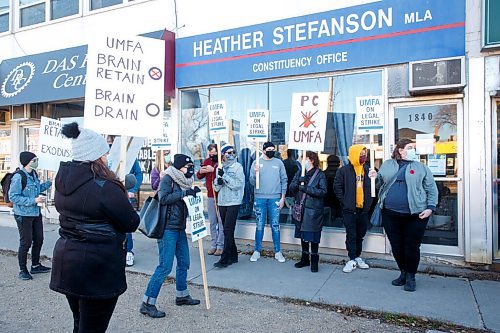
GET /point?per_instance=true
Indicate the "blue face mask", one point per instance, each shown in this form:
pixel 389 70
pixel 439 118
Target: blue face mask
pixel 167 158
pixel 411 155
pixel 307 165
pixel 230 157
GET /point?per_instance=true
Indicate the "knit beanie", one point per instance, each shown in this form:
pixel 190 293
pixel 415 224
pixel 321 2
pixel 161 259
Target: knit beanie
pixel 267 145
pixel 180 160
pixel 87 145
pixel 225 148
pixel 25 157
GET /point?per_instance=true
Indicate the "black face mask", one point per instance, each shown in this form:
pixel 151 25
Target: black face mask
pixel 190 172
pixel 270 154
pixel 214 158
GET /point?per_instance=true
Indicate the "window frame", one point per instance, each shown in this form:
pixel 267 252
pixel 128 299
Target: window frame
pixel 7 12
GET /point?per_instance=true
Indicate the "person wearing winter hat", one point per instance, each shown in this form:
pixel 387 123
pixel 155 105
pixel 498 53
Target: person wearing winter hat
pixel 174 186
pixel 229 185
pixel 88 264
pixel 269 198
pixel 24 193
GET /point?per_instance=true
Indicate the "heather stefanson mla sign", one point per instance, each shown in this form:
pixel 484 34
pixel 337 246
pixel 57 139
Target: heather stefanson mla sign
pixel 125 88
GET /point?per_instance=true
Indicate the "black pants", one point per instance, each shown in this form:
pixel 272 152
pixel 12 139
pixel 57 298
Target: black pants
pixel 405 233
pixel 91 315
pixel 30 232
pixel 228 215
pixel 356 224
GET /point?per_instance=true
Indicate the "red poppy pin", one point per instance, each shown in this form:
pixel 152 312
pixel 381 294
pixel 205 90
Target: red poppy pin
pixel 412 172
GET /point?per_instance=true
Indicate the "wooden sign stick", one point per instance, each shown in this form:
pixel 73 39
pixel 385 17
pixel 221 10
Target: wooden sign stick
pixel 372 164
pixel 257 173
pixel 204 273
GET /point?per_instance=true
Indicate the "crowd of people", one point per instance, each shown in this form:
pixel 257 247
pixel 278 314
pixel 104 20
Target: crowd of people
pixel 96 215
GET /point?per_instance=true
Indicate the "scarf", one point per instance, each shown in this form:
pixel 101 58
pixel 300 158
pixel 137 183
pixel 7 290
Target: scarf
pixel 180 178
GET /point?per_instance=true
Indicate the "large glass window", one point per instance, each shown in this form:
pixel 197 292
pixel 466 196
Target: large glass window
pixel 98 4
pixel 31 12
pixel 434 129
pixel 4 15
pixel 63 8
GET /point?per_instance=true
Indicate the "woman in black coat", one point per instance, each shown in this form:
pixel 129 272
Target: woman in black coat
pixel 89 257
pixel 311 194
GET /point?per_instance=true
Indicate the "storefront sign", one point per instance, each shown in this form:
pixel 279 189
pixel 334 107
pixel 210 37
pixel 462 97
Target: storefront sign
pixel 124 92
pixel 257 125
pixel 393 31
pixel 278 133
pixel 437 164
pixel 308 121
pixel 53 147
pixel 196 217
pixel 370 115
pixel 217 122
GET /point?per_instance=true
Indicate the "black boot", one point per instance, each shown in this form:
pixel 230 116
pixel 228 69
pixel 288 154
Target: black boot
pixel 314 262
pixel 401 280
pixel 410 284
pixel 151 310
pixel 304 260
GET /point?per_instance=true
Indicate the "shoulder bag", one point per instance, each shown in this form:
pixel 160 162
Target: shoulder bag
pixel 152 220
pixel 298 207
pixel 376 218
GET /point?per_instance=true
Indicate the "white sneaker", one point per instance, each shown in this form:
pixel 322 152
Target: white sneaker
pixel 279 256
pixel 361 264
pixel 349 266
pixel 255 256
pixel 130 259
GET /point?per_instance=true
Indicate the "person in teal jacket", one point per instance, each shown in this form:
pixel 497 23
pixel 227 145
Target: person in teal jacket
pixel 408 196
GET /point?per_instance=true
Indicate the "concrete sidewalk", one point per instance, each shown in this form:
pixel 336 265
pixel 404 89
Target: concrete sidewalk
pixel 448 299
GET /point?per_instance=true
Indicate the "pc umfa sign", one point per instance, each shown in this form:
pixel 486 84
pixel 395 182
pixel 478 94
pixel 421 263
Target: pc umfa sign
pixel 370 115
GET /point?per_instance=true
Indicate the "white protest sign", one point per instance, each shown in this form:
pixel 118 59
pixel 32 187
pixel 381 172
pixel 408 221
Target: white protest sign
pixel 53 146
pixel 196 217
pixel 308 121
pixel 257 125
pixel 124 89
pixel 369 115
pixel 132 151
pixel 425 144
pixel 167 141
pixel 217 123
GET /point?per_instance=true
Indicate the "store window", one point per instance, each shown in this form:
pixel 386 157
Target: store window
pixel 276 97
pixel 31 12
pixel 434 130
pixel 491 23
pixel 4 15
pixel 98 4
pixel 63 8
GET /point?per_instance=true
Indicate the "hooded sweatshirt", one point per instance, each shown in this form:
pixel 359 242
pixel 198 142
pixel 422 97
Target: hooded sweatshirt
pixel 354 154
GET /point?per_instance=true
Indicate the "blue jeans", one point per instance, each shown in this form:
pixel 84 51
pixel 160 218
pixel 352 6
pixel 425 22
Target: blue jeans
pixel 174 242
pixel 130 243
pixel 264 209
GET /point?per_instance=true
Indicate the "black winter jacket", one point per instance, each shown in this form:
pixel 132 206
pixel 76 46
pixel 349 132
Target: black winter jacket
pixel 170 195
pixel 345 188
pixel 95 214
pixel 312 218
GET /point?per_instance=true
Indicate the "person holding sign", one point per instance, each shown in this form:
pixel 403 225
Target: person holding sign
pixel 229 185
pixel 310 191
pixel 208 171
pixel 89 257
pixel 408 196
pixel 24 193
pixel 352 187
pixel 175 185
pixel 269 198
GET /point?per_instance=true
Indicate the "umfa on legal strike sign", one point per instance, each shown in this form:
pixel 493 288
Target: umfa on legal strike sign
pixel 53 146
pixel 196 216
pixel 257 125
pixel 125 88
pixel 369 115
pixel 166 141
pixel 308 121
pixel 217 123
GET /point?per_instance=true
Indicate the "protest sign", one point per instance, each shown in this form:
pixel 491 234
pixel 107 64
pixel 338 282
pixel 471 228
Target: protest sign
pixel 257 125
pixel 278 133
pixel 133 146
pixel 53 146
pixel 217 123
pixel 308 121
pixel 369 115
pixel 124 93
pixel 167 141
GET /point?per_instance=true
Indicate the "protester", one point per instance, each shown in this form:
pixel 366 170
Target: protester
pixel 331 200
pixel 353 189
pixel 157 173
pixel 24 193
pixel 174 186
pixel 229 185
pixel 94 215
pixel 269 198
pixel 308 229
pixel 291 166
pixel 208 172
pixel 132 194
pixel 408 196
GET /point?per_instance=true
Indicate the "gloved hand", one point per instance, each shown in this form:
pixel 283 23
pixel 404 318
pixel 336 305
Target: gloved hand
pixel 302 180
pixel 220 181
pixel 220 172
pixel 190 191
pixel 196 189
pixel 303 188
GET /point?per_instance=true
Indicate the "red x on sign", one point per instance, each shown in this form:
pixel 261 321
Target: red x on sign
pixel 155 73
pixel 308 119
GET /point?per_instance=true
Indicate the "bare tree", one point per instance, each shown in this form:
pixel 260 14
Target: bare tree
pixel 447 115
pixel 194 127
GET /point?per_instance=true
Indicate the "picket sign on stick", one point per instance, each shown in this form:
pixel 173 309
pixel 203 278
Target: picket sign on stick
pixel 204 274
pixel 303 172
pixel 123 157
pixel 162 160
pixel 372 164
pixel 257 177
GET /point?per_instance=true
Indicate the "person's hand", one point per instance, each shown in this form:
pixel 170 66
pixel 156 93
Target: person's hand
pixel 220 181
pixel 220 172
pixel 302 180
pixel 40 199
pixel 281 203
pixel 49 183
pixel 257 167
pixel 303 188
pixel 131 195
pixel 162 173
pixel 209 169
pixel 372 173
pixel 191 192
pixel 426 213
pixel 203 169
pixel 196 189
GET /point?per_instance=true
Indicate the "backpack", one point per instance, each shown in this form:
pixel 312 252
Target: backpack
pixel 7 179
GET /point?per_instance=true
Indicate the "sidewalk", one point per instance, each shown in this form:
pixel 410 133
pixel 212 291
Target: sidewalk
pixel 448 299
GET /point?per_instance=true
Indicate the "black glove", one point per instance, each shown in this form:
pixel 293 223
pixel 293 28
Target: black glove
pixel 220 172
pixel 220 181
pixel 302 180
pixel 196 189
pixel 303 188
pixel 191 191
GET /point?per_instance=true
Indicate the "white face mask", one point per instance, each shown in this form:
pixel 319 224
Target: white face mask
pixel 411 155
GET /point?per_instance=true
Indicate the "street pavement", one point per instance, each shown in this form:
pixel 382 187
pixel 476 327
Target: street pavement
pixel 455 300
